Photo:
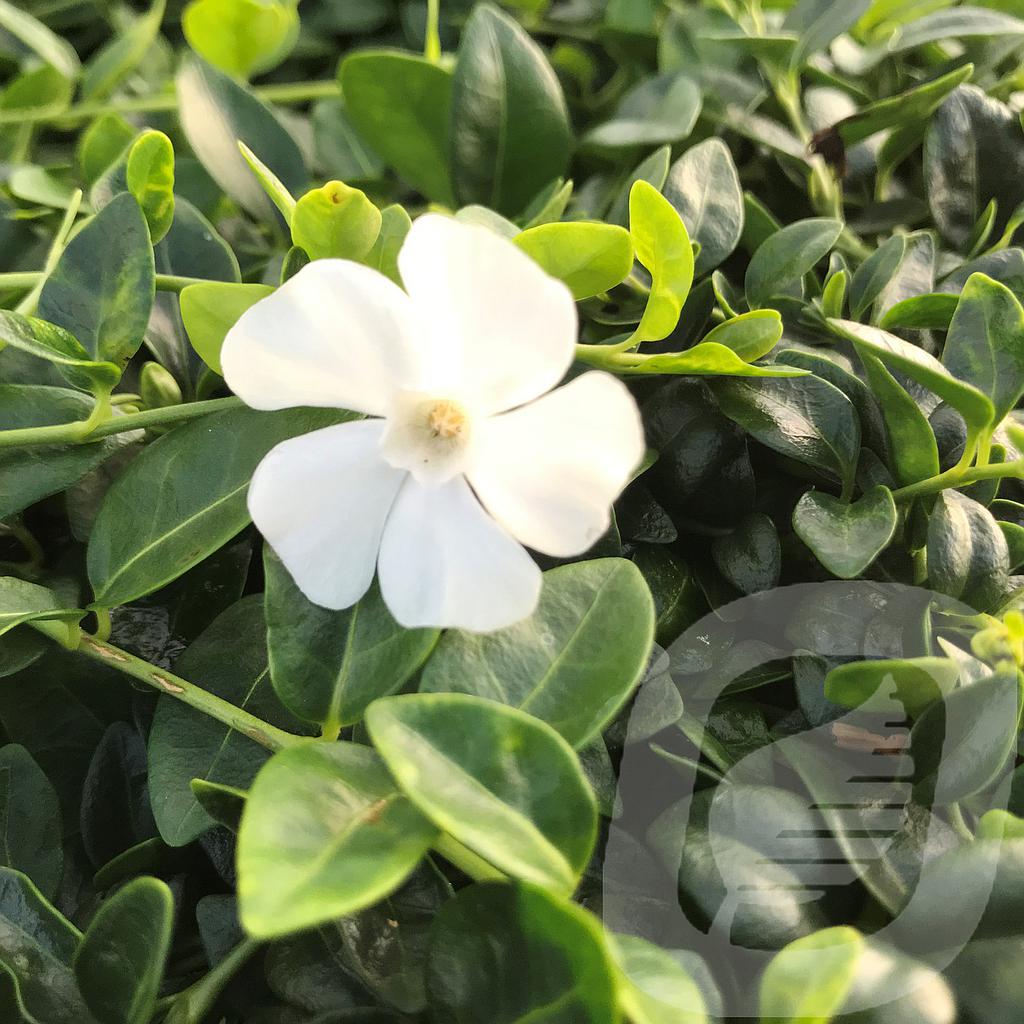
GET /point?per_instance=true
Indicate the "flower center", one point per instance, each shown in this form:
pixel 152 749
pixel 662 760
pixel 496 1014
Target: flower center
pixel 430 437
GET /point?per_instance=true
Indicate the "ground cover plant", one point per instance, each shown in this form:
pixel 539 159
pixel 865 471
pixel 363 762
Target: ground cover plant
pixel 511 514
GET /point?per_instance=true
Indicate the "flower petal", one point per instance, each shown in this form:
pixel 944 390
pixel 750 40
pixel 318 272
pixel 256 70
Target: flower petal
pixel 337 334
pixel 494 317
pixel 549 472
pixel 444 562
pixel 321 501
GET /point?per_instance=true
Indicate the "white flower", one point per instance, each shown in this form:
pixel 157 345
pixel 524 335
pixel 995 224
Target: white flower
pixel 465 462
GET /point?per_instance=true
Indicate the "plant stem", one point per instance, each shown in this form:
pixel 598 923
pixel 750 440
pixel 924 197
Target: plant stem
pixel 956 819
pixel 82 433
pixel 288 92
pixel 27 279
pixel 192 1005
pixel 467 861
pixel 267 735
pixel 28 304
pixel 959 477
pixel 432 38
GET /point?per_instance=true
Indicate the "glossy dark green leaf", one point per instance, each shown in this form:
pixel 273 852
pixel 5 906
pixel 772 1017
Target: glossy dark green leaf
pixel 875 273
pixel 441 748
pixel 216 111
pixel 102 288
pixel 156 522
pixel 573 663
pixel 846 537
pixel 325 833
pixel 973 153
pixel 37 946
pixel 818 22
pixel 120 963
pixel 510 133
pixel 30 824
pixel 29 474
pixel 490 937
pixel 328 666
pixel 703 185
pixel 805 418
pixel 660 110
pixel 985 344
pixel 750 557
pixel 786 256
pixel 230 660
pixel 967 553
pixel 122 54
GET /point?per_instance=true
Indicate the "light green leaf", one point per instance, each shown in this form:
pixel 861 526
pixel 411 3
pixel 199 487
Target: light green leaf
pixel 589 257
pixel 150 178
pixel 324 834
pixel 483 773
pixel 241 37
pixel 653 987
pixel 663 246
pixel 915 682
pixel 750 335
pixel 335 221
pixel 210 309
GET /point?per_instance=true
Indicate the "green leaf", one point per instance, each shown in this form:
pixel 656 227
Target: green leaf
pixel 510 133
pixel 652 169
pixel 967 553
pixel 956 23
pixel 325 833
pixel 222 803
pixel 573 663
pixel 708 359
pixel 963 743
pixel 985 343
pixel 846 537
pixel 663 247
pixel 915 682
pixel 818 22
pixel 56 345
pixel 241 37
pixel 158 521
pixel 704 187
pixel 750 335
pixel 230 660
pixel 210 309
pixel 37 945
pixel 805 418
pixel 102 144
pixel 907 108
pixel 750 557
pixel 103 286
pixel 21 601
pixel 32 33
pixel 489 938
pixel 30 821
pixel 973 153
pixel 443 750
pixel 917 364
pixel 120 963
pixel 589 257
pixel 328 666
pixel 807 981
pixel 215 111
pixel 394 226
pixel 653 987
pixel 400 104
pixel 875 273
pixel 783 259
pixel 335 221
pixel 340 150
pixel 930 312
pixel 660 110
pixel 150 178
pixel 123 54
pixel 275 189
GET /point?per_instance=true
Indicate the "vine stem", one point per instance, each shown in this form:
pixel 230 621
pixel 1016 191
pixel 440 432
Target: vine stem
pixel 74 639
pixel 84 432
pixel 288 92
pixel 25 279
pixel 193 1004
pixel 959 477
